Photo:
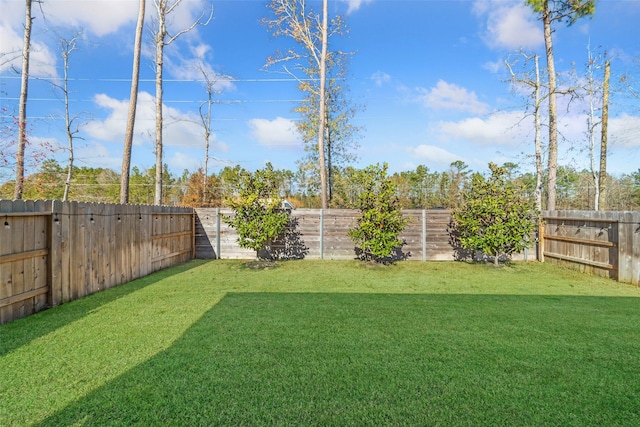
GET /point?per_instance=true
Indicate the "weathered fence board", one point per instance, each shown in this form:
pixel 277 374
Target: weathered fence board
pixel 322 234
pixel 600 243
pixel 53 252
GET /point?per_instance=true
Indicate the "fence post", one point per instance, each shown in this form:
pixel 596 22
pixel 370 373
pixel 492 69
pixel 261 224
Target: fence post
pixel 218 233
pixel 625 247
pixel 193 234
pixel 424 235
pixel 321 233
pixel 541 240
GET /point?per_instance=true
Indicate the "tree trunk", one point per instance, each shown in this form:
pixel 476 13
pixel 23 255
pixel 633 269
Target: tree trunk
pixel 67 120
pixel 22 111
pixel 133 100
pixel 207 136
pixel 160 36
pixel 322 113
pixel 205 193
pixel 591 119
pixel 329 159
pixel 553 116
pixel 538 148
pixel 602 178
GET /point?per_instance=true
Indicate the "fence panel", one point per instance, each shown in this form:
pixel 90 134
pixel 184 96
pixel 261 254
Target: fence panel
pixel 53 252
pixel 599 243
pixel 322 234
pixel 24 255
pixel 629 245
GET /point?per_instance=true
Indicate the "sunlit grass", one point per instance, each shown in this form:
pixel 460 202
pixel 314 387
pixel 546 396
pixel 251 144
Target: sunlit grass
pixel 324 342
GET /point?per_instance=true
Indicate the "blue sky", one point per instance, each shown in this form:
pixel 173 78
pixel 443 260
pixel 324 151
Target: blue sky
pixel 430 75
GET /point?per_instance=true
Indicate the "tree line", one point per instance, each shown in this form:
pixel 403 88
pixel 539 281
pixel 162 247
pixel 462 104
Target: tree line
pixel 420 188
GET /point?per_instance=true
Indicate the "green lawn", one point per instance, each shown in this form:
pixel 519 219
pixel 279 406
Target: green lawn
pixel 331 343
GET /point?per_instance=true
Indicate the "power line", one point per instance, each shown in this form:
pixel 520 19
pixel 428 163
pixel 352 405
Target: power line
pixel 128 80
pixel 231 101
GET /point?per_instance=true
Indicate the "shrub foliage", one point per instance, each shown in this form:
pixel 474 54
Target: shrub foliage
pixel 494 218
pixel 258 219
pixel 381 221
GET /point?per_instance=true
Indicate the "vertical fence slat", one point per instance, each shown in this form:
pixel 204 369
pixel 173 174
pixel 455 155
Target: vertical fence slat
pixel 29 265
pixel 17 267
pixel 55 257
pixel 628 230
pixel 64 224
pixel 6 247
pixel 41 271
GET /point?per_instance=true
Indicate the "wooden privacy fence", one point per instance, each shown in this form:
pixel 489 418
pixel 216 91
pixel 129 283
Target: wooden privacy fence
pixel 600 243
pixel 322 234
pixel 53 252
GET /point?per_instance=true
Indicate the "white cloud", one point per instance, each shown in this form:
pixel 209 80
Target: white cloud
pixel 433 154
pixel 179 161
pixel 95 154
pixel 195 69
pixel 505 128
pixel 509 24
pixel 380 78
pixel 448 96
pixel 112 128
pixel 354 5
pixel 103 17
pixel 200 50
pixel 100 17
pixel 181 129
pixel 279 132
pixel 42 62
pixel 625 132
pixel 494 67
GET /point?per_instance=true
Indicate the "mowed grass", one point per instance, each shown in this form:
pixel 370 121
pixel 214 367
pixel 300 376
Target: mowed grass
pixel 331 343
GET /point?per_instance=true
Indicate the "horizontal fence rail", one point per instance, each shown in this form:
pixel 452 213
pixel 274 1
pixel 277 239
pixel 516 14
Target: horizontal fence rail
pixel 605 243
pixel 53 252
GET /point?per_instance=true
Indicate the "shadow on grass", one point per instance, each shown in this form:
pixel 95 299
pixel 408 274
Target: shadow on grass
pixel 15 334
pixel 357 359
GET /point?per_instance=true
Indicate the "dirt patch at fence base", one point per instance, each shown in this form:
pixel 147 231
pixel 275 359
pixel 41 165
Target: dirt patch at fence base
pixel 260 264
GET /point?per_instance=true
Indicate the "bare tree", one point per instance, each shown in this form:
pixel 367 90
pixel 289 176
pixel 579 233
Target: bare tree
pixel 162 38
pixel 72 126
pixel 340 133
pixel 311 31
pixel 133 100
pixel 596 91
pixel 210 80
pixel 592 123
pixel 552 11
pixel 22 109
pixel 591 91
pixel 535 84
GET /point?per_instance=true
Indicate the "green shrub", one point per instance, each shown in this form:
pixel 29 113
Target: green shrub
pixel 381 221
pixel 259 218
pixel 494 218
